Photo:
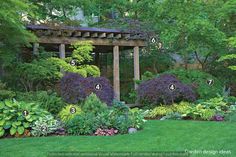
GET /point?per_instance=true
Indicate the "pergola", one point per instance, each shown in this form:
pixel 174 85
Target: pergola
pixel 104 39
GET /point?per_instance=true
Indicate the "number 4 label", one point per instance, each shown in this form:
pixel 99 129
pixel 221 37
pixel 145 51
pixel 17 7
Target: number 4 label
pixel 98 86
pixel 172 87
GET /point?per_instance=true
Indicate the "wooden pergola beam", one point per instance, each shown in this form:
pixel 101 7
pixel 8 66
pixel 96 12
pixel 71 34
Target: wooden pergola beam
pixel 66 33
pixel 110 35
pixel 86 34
pixel 77 34
pixel 102 35
pixel 96 41
pixel 94 35
pixel 47 32
pixel 118 36
pixel 127 36
pixel 56 33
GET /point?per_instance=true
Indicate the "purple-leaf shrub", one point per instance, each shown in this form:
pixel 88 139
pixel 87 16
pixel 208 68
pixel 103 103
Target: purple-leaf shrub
pixel 156 91
pixel 75 88
pixel 72 88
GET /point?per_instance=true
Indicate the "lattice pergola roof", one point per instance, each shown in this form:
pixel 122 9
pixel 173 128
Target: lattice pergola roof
pixel 99 36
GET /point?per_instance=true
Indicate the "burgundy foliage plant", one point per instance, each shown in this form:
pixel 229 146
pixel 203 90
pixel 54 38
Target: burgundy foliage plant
pixel 75 88
pixel 157 91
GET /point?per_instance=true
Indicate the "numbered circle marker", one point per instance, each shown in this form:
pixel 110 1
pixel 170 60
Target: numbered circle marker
pixel 210 82
pixel 73 62
pixel 98 86
pixel 44 128
pixel 172 87
pixel 25 113
pixel 153 40
pixel 72 110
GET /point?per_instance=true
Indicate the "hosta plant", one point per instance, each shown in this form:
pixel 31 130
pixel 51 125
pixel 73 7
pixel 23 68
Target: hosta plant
pixel 200 112
pixel 69 112
pixel 17 117
pixel 45 125
pixel 182 107
pixel 172 116
pixel 136 117
pixel 217 103
pixel 207 114
pixel 160 111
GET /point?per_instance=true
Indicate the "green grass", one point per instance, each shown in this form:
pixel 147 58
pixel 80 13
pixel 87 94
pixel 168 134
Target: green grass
pixel 156 136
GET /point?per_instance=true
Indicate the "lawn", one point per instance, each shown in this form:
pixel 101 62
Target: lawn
pixel 156 136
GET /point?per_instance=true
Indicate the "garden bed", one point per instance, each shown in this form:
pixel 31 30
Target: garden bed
pixel 157 136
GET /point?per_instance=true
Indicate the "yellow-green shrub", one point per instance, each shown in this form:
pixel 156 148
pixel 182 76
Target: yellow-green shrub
pixel 65 114
pixel 182 107
pixel 160 111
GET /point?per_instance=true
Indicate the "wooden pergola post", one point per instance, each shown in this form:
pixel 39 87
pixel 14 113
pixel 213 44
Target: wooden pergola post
pixel 62 51
pixel 35 48
pixel 116 72
pixel 136 65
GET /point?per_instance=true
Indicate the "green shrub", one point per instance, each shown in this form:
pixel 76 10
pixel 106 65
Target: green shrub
pixel 13 119
pixel 136 117
pixel 231 117
pixel 45 125
pixel 117 117
pixel 119 107
pixel 122 118
pixel 103 119
pixel 69 112
pixel 147 75
pixel 49 101
pixel 121 122
pixel 230 100
pixel 5 93
pixel 84 124
pixel 93 104
pixel 38 74
pixel 230 114
pixel 199 80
